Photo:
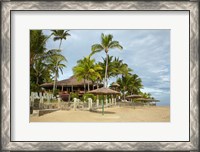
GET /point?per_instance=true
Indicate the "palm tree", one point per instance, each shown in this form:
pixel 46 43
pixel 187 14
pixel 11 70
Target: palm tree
pixel 37 47
pixel 111 70
pixel 39 66
pixel 87 69
pixel 60 35
pixel 56 64
pixel 120 68
pixel 135 85
pixel 107 43
pixel 124 83
pixel 130 84
pixel 39 73
pixel 146 95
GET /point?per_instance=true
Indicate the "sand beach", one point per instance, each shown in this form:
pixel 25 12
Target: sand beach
pixel 114 114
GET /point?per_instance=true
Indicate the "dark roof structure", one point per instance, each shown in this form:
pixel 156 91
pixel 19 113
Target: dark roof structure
pixel 72 81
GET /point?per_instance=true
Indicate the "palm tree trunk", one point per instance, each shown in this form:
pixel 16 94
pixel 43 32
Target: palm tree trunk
pixel 60 44
pixel 88 86
pixel 97 84
pixel 84 86
pixel 54 84
pixel 37 80
pixel 124 92
pixel 106 72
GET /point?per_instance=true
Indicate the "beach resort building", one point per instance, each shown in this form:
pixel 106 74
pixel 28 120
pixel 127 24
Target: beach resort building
pixel 72 84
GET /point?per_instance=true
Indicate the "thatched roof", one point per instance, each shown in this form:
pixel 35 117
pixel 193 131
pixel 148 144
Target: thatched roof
pixel 72 81
pixel 46 85
pixel 146 99
pixel 103 91
pixel 134 96
pixel 114 84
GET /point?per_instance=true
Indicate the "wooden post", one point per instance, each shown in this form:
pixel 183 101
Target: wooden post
pixel 72 88
pixel 103 106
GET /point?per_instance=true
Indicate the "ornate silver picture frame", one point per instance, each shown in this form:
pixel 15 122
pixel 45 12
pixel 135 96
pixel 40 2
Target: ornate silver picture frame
pixel 6 91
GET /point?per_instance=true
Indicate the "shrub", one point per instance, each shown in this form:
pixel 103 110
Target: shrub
pixel 56 92
pixel 103 97
pixel 88 95
pixel 34 87
pixel 73 95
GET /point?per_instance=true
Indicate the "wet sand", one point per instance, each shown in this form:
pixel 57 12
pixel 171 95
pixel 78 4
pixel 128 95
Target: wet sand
pixel 114 114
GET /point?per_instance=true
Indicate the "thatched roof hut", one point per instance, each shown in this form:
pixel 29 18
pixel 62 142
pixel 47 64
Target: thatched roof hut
pixel 73 81
pixel 47 85
pixel 147 99
pixel 115 84
pixel 70 83
pixel 103 91
pixel 134 96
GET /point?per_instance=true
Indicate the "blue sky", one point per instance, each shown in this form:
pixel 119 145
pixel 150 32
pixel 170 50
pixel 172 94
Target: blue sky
pixel 147 52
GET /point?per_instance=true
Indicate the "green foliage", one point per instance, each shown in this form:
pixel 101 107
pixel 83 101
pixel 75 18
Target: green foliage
pixel 130 83
pixel 45 63
pixel 87 69
pixel 146 95
pixel 73 95
pixel 107 43
pixel 60 35
pixel 88 95
pixel 37 43
pixel 101 97
pixel 115 67
pixel 34 87
pixel 39 71
pixel 56 92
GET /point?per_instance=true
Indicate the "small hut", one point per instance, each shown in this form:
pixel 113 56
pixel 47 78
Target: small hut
pixel 104 91
pixel 115 85
pixel 148 100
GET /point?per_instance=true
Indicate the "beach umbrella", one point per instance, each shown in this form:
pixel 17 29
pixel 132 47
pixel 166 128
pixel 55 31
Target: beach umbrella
pixel 134 96
pixel 114 85
pixel 147 99
pixel 103 91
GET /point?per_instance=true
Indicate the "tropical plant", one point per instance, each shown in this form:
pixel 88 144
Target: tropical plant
pixel 135 85
pixel 37 45
pixel 39 71
pixel 130 84
pixel 56 65
pixel 60 35
pixel 107 43
pixel 89 95
pixel 120 67
pixel 39 67
pixel 73 95
pixel 146 95
pixel 87 69
pixel 110 67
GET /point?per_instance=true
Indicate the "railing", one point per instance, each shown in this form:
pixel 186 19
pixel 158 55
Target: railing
pixel 76 104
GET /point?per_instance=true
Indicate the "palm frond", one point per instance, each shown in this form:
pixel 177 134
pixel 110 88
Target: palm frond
pixel 97 47
pixel 115 44
pixel 56 38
